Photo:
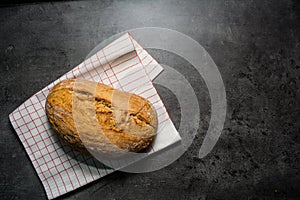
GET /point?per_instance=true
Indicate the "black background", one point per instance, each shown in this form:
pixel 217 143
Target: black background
pixel 254 43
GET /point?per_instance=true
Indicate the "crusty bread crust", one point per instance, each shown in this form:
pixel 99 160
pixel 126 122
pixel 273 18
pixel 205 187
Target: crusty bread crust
pixel 125 121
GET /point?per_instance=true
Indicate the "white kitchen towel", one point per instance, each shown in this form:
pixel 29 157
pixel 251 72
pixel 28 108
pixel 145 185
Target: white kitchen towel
pixel 124 65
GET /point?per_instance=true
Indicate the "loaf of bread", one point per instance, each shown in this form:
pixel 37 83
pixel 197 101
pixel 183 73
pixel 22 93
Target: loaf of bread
pixel 91 116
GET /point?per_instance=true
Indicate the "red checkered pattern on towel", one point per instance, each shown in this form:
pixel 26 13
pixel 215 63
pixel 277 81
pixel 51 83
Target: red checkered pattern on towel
pixel 124 65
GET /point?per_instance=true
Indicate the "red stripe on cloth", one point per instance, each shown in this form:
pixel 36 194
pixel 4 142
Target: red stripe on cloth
pixel 139 86
pixel 144 57
pixel 81 172
pixel 139 58
pixel 42 154
pixel 103 67
pixel 125 69
pixel 59 159
pixel 128 83
pixel 24 109
pixel 149 97
pixel 149 62
pixel 130 75
pixel 89 169
pixel 97 168
pixel 124 61
pixel 152 69
pixel 96 71
pixel 165 120
pixel 47 148
pixel 111 68
pixel 145 91
pixel 27 114
pixel 88 71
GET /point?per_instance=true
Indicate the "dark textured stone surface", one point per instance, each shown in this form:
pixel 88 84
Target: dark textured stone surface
pixel 255 44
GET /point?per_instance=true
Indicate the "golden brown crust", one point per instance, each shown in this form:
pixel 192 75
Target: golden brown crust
pixel 123 120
